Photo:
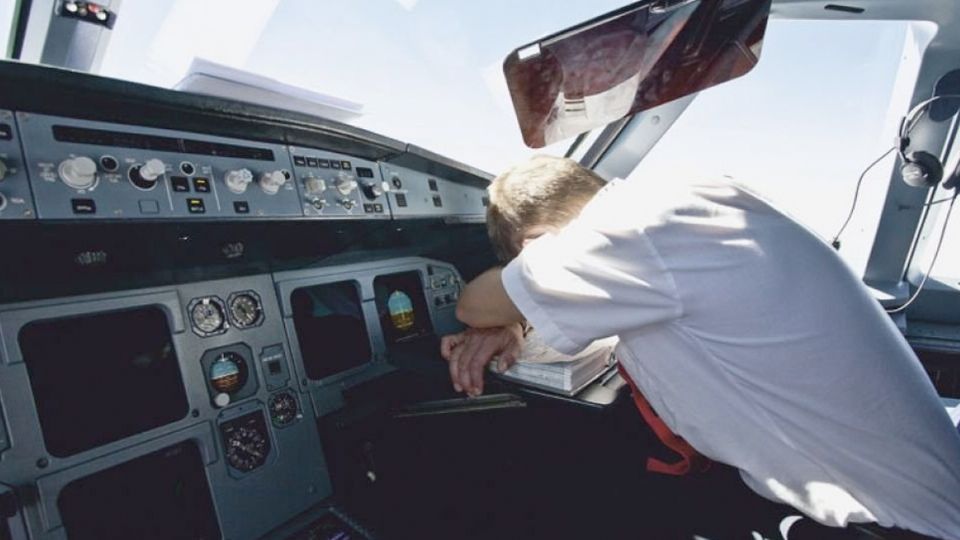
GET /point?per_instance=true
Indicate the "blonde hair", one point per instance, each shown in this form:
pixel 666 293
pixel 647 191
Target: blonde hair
pixel 544 190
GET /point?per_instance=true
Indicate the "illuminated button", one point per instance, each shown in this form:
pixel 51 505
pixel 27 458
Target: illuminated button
pixel 311 162
pixel 334 164
pixel 196 206
pixel 299 161
pixel 345 165
pixel 401 199
pixel 437 201
pixel 241 207
pixel 368 208
pixel 201 184
pixel 180 184
pixel 432 184
pixel 83 206
pixel 323 163
pixel 377 207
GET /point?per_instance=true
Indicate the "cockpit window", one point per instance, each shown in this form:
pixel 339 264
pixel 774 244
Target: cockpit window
pixel 802 127
pixel 428 73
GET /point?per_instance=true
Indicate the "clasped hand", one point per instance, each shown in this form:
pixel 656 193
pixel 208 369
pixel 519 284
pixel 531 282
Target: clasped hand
pixel 469 352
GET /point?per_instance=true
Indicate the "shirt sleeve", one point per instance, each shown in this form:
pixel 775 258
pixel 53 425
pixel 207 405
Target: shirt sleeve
pixel 592 279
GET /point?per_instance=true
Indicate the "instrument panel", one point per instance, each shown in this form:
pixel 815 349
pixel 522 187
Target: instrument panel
pixel 220 383
pixel 16 200
pixel 75 169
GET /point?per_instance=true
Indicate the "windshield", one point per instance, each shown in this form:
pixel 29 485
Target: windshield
pixel 425 72
pixel 804 124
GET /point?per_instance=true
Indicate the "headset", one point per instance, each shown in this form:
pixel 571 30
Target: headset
pixel 919 168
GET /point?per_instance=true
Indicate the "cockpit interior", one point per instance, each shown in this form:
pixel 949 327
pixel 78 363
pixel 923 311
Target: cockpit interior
pixel 234 235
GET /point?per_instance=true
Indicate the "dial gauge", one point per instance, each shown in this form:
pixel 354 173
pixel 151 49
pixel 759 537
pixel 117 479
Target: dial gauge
pixel 246 442
pixel 208 316
pixel 245 309
pixel 283 408
pixel 228 373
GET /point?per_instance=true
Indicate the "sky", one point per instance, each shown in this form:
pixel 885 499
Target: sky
pixel 823 102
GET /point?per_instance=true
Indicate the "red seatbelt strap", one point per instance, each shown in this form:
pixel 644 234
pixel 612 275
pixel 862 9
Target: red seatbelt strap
pixel 690 459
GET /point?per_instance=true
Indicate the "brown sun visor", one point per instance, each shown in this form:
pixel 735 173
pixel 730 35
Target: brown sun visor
pixel 630 60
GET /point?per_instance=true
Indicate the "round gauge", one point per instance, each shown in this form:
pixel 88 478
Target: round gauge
pixel 283 408
pixel 245 309
pixel 228 373
pixel 208 316
pixel 246 443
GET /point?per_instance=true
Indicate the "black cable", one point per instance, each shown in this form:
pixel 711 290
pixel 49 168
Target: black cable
pixel 936 254
pixel 856 195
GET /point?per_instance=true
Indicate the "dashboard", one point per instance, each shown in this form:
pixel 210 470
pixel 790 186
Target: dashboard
pixel 191 411
pixel 194 284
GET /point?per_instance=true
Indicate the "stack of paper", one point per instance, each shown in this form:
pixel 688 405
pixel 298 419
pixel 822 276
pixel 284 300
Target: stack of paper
pixel 545 368
pixel 206 77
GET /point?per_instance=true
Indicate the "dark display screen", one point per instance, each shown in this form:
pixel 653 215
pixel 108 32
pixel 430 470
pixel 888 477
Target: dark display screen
pixel 330 328
pixel 329 527
pixel 159 496
pixel 102 377
pixel 402 308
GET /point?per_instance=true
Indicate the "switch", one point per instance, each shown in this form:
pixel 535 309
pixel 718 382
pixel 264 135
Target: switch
pixel 179 184
pixel 83 206
pixel 149 206
pixel 201 184
pixel 196 206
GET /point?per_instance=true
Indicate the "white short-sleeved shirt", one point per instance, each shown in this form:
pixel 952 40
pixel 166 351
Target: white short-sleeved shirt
pixel 753 341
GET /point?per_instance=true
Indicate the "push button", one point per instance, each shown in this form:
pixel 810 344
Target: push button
pixel 311 162
pixel 324 163
pixel 345 165
pixel 201 184
pixel 378 207
pixel 196 206
pixel 401 199
pixel 180 184
pixel 299 161
pixel 334 164
pixel 241 207
pixel 149 206
pixel 83 206
pixel 368 208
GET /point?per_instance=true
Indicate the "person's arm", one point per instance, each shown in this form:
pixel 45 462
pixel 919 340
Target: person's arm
pixel 484 303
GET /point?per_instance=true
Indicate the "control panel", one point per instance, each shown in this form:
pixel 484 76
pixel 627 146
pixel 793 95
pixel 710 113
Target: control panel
pixel 16 201
pixel 333 185
pixel 94 170
pixel 417 194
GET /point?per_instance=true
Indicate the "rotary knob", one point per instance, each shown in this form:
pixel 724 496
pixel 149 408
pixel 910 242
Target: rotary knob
pixel 3 170
pixel 372 189
pixel 3 202
pixel 345 183
pixel 314 185
pixel 145 176
pixel 238 180
pixel 78 173
pixel 271 182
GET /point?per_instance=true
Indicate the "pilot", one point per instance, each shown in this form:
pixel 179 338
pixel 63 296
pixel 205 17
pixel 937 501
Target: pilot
pixel 749 337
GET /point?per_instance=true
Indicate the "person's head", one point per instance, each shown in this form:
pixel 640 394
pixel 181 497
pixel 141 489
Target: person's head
pixel 535 197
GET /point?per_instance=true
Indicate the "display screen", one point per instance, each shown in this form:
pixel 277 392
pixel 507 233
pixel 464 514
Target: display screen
pixel 330 328
pixel 99 378
pixel 402 308
pixel 158 496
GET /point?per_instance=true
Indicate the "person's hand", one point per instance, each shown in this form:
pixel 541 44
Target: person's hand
pixel 469 352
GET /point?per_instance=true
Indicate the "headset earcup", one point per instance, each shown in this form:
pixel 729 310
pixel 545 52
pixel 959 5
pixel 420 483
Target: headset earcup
pixel 922 169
